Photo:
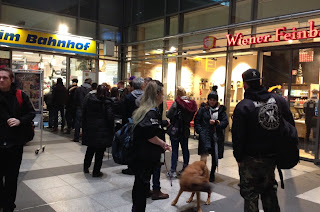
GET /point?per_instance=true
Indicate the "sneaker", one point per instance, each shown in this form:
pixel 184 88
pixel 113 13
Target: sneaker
pixel 127 171
pixel 172 174
pixel 159 195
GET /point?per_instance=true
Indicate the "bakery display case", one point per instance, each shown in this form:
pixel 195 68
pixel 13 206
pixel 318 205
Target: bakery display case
pixel 300 93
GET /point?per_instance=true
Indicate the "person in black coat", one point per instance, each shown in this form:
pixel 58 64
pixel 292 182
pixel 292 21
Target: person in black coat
pixel 59 100
pixel 14 122
pixel 148 145
pixel 98 128
pixel 210 122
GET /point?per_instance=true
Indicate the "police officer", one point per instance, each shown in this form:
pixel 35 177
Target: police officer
pixel 255 132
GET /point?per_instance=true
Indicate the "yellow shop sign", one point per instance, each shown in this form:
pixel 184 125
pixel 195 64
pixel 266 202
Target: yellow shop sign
pixel 43 41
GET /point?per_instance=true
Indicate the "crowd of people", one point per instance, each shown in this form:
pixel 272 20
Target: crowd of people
pixel 101 110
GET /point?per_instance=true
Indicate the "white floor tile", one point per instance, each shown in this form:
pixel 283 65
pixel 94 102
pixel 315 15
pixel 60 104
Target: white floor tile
pixel 109 200
pixel 83 204
pixel 312 195
pixel 62 193
pixel 94 187
pixel 45 183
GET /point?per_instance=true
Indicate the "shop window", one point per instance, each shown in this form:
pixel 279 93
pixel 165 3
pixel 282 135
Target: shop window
pixel 109 33
pixel 241 62
pixel 146 31
pixel 243 11
pixel 274 8
pixel 304 98
pixel 146 9
pixel 149 49
pixel 110 12
pixel 87 28
pixel 207 18
pixel 108 72
pixel 53 66
pixel 82 69
pixel 147 68
pixel 5 59
pixel 189 4
pixel 68 7
pixel 88 9
pixel 172 6
pixel 34 19
pixel 173 25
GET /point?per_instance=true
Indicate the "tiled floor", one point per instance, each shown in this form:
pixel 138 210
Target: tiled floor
pixel 53 181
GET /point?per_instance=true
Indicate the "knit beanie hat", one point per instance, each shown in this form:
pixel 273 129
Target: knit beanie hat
pixel 213 94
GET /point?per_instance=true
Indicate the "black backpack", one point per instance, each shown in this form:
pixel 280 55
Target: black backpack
pixel 122 145
pixel 287 151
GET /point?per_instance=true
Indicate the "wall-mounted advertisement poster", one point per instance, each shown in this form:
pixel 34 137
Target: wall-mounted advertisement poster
pixel 30 83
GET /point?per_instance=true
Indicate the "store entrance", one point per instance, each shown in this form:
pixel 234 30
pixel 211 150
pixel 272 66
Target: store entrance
pixel 294 74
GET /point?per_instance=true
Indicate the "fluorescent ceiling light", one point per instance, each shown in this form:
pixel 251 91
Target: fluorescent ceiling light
pixel 63 29
pixel 28 52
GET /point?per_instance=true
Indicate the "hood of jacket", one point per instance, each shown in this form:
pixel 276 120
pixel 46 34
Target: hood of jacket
pixel 86 85
pixel 137 94
pixel 259 94
pixel 186 104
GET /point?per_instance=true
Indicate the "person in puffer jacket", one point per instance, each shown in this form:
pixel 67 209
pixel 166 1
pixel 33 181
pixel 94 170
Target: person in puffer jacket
pixel 210 122
pixel 187 108
pixel 98 128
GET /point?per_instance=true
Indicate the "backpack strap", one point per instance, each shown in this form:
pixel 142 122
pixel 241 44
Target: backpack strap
pixel 281 177
pixel 19 97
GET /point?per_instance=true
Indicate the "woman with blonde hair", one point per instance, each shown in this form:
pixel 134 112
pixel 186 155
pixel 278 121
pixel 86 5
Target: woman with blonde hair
pixel 180 114
pixel 147 144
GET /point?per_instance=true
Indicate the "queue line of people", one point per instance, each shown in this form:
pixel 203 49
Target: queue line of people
pixel 95 111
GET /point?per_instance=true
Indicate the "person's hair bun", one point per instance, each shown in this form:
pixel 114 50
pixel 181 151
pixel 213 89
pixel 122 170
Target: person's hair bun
pixel 214 88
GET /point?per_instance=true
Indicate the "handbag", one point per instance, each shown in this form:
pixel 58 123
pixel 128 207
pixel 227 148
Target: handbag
pixel 175 129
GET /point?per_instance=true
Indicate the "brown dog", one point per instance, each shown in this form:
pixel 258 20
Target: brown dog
pixel 195 178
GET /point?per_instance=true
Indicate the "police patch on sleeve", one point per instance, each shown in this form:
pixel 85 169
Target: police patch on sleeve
pixel 154 121
pixel 269 117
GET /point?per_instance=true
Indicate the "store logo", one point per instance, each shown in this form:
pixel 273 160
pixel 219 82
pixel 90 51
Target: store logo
pixel 209 42
pixel 44 41
pixel 281 34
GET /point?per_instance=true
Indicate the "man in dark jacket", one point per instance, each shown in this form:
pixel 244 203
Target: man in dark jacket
pixel 80 94
pixel 255 133
pixel 70 106
pixel 131 101
pixel 130 104
pixel 49 103
pixel 59 100
pixel 13 119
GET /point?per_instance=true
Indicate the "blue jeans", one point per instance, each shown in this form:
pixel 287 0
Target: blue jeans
pixel 77 124
pixel 175 152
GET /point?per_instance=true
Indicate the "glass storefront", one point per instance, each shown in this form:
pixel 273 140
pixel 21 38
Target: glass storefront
pixel 53 66
pixel 82 69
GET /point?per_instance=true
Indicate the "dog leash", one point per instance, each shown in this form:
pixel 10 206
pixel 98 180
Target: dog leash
pixel 165 164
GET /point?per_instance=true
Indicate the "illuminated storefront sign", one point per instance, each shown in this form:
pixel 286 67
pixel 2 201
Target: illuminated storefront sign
pixel 281 34
pixel 209 42
pixel 43 41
